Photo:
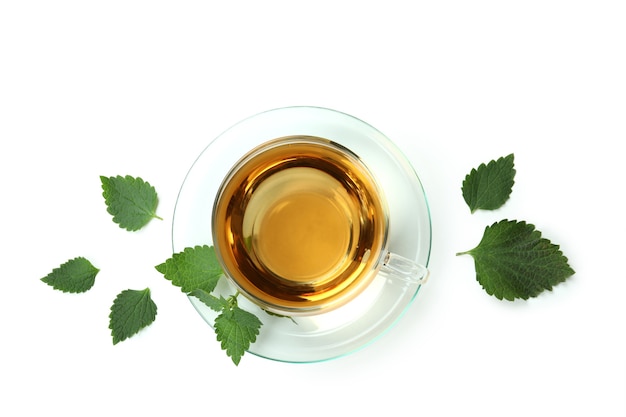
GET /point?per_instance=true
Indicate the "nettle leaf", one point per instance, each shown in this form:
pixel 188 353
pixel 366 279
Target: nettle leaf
pixel 196 271
pixel 489 186
pixel 131 201
pixel 193 268
pixel 132 310
pixel 74 276
pixel 237 329
pixel 211 301
pixel 513 261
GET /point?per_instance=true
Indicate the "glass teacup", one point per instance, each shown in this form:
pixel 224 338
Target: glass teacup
pixel 300 226
pixel 315 215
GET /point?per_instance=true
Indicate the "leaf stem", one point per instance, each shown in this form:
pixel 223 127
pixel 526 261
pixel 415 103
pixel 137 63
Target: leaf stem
pixel 232 300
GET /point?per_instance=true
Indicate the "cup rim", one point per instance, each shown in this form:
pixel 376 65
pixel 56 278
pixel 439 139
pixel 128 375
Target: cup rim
pixel 373 264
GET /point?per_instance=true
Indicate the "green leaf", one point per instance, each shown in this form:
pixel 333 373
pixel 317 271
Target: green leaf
pixel 131 311
pixel 193 268
pixel 131 201
pixel 236 329
pixel 513 261
pixel 211 301
pixel 489 186
pixel 74 276
pixel 196 271
pixel 282 316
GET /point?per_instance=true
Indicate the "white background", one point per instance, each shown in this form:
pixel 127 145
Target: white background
pixel 90 88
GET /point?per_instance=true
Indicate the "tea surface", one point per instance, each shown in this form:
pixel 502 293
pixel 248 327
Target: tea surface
pixel 300 225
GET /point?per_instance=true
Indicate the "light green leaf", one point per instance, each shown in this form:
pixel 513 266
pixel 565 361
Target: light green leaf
pixel 193 268
pixel 237 329
pixel 211 301
pixel 74 276
pixel 513 261
pixel 131 201
pixel 132 310
pixel 489 186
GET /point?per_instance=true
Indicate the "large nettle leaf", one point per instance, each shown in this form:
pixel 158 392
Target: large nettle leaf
pixel 514 261
pixel 192 269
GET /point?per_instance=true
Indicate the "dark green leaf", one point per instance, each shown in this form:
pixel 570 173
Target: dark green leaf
pixel 131 201
pixel 236 329
pixel 193 268
pixel 132 310
pixel 75 275
pixel 513 261
pixel 489 186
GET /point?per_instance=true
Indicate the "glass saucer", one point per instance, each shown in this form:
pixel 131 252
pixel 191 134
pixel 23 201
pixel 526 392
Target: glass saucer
pixel 356 324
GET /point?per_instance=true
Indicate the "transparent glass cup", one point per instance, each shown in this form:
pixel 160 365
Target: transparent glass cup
pixel 300 226
pixel 391 274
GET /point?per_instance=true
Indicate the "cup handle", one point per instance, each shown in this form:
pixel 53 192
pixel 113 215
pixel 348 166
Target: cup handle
pixel 405 269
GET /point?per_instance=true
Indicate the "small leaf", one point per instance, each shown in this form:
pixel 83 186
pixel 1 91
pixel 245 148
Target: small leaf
pixel 131 201
pixel 74 276
pixel 282 316
pixel 131 311
pixel 489 186
pixel 211 301
pixel 237 329
pixel 513 261
pixel 193 268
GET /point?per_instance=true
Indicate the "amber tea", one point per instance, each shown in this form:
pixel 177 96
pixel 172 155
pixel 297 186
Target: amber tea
pixel 300 225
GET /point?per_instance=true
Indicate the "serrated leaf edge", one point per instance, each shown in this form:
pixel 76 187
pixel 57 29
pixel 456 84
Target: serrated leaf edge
pixel 162 267
pixel 106 194
pixel 51 282
pixel 223 338
pixel 486 166
pixel 531 228
pixel 115 337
